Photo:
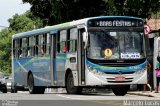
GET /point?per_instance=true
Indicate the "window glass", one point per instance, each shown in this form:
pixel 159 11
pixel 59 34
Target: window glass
pixel 73 34
pixel 63 34
pixel 24 42
pixel 73 45
pixel 73 39
pixel 32 41
pixel 48 44
pixel 119 44
pixel 63 38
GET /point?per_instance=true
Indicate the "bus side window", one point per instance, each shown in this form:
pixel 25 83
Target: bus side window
pixel 42 44
pixel 24 47
pixel 15 48
pixel 31 46
pixel 58 43
pixel 36 46
pixel 63 41
pixel 20 52
pixel 47 43
pixel 73 39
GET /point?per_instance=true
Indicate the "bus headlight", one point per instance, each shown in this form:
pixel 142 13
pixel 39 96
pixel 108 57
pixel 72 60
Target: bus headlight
pixel 95 71
pixel 140 71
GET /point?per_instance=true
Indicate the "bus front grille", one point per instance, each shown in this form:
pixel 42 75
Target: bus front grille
pixel 118 72
pixel 112 80
pixel 118 81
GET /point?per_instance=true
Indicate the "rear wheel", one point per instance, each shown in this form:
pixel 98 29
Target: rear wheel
pixel 120 90
pixel 71 89
pixel 32 89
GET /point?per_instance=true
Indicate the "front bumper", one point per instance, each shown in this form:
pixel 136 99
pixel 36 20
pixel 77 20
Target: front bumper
pixel 110 79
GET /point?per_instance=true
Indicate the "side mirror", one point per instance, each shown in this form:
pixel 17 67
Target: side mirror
pixel 85 39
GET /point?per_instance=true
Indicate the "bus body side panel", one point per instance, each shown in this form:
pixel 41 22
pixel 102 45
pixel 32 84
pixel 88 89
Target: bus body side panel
pixel 71 63
pixel 20 71
pixel 66 61
pixel 59 73
pixel 41 71
pixel 39 67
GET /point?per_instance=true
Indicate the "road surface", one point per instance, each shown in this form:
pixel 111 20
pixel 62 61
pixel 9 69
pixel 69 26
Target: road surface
pixel 63 99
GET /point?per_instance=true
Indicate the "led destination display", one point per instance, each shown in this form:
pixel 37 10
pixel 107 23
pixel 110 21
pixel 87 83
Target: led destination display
pixel 115 23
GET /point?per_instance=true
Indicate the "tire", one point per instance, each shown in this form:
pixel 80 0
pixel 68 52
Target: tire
pixel 13 88
pixel 31 87
pixel 120 91
pixel 70 88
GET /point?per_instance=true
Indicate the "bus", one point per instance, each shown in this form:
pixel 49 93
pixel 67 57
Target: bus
pixel 103 51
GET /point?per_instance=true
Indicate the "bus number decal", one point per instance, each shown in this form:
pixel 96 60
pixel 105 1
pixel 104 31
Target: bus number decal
pixel 130 55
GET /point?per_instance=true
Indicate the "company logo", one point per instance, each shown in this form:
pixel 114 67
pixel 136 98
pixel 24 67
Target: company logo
pixel 120 72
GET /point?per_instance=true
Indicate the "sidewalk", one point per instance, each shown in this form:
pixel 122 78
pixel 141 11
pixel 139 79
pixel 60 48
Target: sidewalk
pixel 145 93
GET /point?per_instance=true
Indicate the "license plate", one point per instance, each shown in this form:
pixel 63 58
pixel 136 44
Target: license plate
pixel 120 78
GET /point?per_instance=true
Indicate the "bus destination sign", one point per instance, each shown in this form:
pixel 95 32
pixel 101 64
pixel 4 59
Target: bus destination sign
pixel 115 23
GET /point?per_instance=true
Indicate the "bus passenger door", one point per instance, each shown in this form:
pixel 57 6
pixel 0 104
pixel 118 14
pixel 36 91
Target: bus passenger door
pixel 53 56
pixel 81 56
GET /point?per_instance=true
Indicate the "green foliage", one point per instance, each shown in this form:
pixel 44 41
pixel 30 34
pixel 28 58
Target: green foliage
pixel 18 23
pixel 138 8
pixel 58 11
pixel 25 22
pixel 5 50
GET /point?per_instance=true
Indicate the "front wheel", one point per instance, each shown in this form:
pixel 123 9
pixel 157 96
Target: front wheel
pixel 70 88
pixel 120 90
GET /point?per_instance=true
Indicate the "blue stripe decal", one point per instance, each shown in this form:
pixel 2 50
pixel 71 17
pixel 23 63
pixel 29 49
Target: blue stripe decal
pixel 116 69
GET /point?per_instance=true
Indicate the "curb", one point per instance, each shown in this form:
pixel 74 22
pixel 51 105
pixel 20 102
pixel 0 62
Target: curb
pixel 140 94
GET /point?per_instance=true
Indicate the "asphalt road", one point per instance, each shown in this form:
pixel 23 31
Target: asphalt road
pixel 63 99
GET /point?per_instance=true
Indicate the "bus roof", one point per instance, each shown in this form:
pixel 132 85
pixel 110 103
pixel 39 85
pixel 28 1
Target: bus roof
pixel 64 25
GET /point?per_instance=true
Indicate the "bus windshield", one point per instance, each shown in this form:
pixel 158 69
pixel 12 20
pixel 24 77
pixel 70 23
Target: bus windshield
pixel 115 44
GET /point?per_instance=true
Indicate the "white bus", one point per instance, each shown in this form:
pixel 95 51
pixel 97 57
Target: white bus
pixel 106 51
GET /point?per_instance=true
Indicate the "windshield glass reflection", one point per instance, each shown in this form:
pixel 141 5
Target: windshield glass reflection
pixel 115 45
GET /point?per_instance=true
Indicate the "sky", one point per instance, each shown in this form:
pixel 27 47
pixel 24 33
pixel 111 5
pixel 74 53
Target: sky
pixel 8 8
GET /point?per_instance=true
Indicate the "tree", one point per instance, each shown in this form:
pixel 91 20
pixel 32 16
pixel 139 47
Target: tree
pixel 5 51
pixel 58 11
pixel 18 23
pixel 25 22
pixel 138 8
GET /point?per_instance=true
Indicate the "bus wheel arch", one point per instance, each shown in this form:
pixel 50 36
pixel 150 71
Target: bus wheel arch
pixel 69 83
pixel 66 74
pixel 31 85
